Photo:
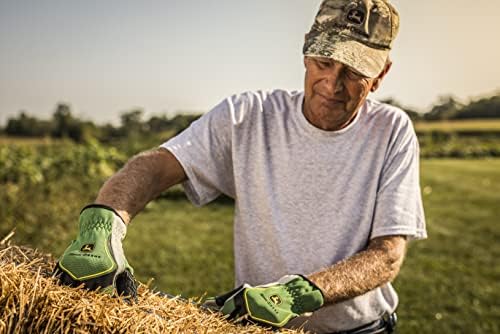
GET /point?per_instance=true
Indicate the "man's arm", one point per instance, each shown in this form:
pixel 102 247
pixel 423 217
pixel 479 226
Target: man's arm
pixel 371 268
pixel 141 180
pixel 101 230
pixel 364 271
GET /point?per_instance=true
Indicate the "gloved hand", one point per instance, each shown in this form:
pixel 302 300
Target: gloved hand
pixel 272 304
pixel 96 257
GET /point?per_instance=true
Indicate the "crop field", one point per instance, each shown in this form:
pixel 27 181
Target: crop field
pixel 5 140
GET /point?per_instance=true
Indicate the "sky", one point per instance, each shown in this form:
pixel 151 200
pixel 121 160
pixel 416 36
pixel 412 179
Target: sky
pixel 105 57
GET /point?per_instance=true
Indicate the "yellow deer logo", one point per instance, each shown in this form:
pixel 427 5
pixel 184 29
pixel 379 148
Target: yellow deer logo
pixel 87 248
pixel 275 299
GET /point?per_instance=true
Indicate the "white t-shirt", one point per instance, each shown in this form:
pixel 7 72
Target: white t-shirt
pixel 306 198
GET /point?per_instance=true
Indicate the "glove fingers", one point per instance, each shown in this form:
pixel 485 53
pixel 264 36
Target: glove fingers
pixel 64 278
pixel 220 300
pixel 103 283
pixel 234 307
pixel 239 312
pixel 126 285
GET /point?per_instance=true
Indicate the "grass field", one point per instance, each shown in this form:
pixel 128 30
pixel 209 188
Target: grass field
pixel 479 125
pixel 186 250
pixel 449 283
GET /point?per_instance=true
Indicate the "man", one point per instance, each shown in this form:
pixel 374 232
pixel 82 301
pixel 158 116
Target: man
pixel 325 182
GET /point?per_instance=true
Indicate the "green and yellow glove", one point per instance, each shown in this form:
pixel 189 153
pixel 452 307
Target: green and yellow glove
pixel 96 257
pixel 272 304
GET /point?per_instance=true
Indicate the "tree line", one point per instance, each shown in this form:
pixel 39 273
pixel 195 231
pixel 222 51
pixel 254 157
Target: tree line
pixel 64 124
pixel 449 108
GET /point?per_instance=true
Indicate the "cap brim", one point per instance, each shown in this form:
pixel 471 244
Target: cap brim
pixel 364 59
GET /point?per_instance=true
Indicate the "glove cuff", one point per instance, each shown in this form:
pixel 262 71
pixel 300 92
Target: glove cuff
pixel 315 287
pixel 102 206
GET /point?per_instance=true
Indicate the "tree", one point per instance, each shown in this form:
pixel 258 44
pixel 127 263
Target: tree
pixel 131 121
pixel 27 126
pixel 483 108
pixel 182 121
pixel 158 123
pixel 414 115
pixel 67 126
pixel 447 107
pixel 62 120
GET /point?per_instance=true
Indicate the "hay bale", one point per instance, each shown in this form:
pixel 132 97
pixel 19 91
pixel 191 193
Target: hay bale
pixel 31 301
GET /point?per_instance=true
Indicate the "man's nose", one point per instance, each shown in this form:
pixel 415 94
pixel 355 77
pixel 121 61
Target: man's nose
pixel 334 79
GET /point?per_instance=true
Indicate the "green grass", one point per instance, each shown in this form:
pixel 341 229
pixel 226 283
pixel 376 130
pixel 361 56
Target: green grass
pixel 186 250
pixel 449 283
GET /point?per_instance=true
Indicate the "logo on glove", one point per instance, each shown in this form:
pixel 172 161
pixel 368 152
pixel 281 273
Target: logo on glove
pixel 87 248
pixel 275 299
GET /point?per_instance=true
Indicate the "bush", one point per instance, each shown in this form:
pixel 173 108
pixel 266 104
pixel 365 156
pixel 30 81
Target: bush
pixel 45 186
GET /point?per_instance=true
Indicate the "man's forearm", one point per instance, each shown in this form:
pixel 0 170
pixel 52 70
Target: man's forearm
pixel 141 180
pixel 377 265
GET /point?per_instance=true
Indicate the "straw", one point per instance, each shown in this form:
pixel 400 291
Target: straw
pixel 31 301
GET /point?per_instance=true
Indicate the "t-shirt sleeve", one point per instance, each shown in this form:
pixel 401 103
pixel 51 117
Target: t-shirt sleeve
pixel 204 151
pixel 398 208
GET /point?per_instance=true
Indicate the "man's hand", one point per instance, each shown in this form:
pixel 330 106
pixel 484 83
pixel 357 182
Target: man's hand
pixel 96 257
pixel 272 304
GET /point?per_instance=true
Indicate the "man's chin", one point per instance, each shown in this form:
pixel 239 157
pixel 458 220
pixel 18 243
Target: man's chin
pixel 335 111
pixel 328 119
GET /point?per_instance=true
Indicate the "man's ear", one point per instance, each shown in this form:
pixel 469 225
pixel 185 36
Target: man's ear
pixel 378 80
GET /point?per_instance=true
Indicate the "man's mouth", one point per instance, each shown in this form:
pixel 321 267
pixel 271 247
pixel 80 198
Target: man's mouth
pixel 331 100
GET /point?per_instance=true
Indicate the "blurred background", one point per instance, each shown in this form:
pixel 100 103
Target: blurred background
pixel 84 85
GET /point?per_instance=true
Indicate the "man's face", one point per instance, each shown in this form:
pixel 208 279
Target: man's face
pixel 334 92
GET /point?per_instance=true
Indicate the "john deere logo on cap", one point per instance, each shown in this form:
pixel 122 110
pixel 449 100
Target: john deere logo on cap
pixel 356 16
pixel 275 299
pixel 87 248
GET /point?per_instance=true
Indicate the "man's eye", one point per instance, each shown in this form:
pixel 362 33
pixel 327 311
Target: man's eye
pixel 323 63
pixel 354 75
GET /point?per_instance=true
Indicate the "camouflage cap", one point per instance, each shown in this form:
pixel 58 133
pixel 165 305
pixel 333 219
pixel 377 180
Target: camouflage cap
pixel 358 33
